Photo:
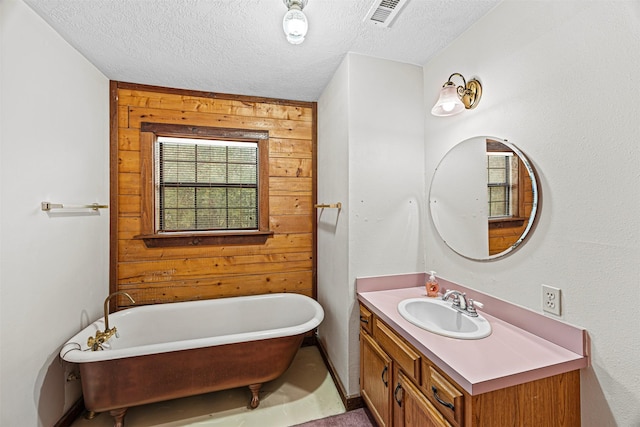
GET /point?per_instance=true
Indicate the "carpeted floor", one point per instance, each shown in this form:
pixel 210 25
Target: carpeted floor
pixel 356 418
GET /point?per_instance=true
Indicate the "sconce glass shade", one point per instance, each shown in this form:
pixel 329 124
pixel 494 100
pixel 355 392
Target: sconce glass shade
pixel 295 25
pixel 449 102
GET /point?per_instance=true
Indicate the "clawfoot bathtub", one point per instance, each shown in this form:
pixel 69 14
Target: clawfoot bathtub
pixel 166 351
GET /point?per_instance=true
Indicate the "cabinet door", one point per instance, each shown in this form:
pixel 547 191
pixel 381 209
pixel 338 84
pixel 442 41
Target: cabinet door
pixel 375 373
pixel 415 409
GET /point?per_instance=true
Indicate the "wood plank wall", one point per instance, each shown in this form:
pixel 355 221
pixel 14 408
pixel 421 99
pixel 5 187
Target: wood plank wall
pixel 285 263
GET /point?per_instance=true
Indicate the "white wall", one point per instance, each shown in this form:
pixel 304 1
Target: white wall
pixel 370 150
pixel 334 293
pixel 54 139
pixel 560 81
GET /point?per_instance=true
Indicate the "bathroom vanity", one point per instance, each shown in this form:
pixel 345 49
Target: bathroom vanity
pixel 514 377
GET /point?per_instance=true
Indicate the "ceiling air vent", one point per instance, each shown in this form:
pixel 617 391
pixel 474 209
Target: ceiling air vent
pixel 383 12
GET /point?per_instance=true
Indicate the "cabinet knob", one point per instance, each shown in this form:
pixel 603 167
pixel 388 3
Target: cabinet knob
pixel 364 319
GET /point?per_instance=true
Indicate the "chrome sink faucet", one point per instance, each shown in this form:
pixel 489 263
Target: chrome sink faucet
pixel 461 303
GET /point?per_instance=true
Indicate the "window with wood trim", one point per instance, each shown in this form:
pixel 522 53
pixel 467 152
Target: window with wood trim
pixel 203 185
pixel 206 185
pixel 502 184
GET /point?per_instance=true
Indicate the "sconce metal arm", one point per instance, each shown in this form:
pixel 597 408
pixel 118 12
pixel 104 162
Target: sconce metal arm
pixel 470 92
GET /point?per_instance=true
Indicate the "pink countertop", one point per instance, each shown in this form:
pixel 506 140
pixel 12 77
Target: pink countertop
pixel 511 355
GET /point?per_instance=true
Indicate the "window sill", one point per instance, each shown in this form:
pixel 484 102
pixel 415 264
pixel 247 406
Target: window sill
pixel 512 222
pixel 206 238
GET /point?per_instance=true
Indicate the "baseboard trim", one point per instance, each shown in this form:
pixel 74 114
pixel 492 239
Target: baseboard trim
pixel 350 402
pixel 72 414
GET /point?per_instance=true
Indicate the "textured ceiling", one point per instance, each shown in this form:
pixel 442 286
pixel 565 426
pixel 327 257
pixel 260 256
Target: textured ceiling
pixel 238 46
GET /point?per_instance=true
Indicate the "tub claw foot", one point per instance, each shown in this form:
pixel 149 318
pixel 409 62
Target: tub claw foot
pixel 255 398
pixel 118 416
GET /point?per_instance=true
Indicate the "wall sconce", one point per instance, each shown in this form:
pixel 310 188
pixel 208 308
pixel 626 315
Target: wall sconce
pixel 295 23
pixel 455 99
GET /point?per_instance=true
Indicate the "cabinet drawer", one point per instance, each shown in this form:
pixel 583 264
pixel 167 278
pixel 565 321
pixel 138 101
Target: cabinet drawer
pixel 407 358
pixel 444 395
pixel 366 319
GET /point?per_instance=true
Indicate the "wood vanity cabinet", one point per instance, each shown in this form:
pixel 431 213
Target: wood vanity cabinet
pixel 403 388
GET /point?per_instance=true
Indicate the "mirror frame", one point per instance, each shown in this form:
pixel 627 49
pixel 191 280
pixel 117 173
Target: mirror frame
pixel 534 208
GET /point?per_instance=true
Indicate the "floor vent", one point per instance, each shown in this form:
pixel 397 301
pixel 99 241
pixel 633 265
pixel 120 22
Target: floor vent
pixel 383 12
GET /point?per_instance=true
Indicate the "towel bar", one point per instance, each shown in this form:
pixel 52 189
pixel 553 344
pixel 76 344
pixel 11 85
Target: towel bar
pixel 332 206
pixel 47 206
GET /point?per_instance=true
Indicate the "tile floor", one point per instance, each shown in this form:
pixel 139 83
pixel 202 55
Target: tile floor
pixel 305 392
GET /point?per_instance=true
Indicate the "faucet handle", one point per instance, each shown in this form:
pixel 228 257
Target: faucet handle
pixel 471 306
pixel 456 300
pixel 474 303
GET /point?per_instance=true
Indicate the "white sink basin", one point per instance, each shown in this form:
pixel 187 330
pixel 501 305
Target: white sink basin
pixel 437 316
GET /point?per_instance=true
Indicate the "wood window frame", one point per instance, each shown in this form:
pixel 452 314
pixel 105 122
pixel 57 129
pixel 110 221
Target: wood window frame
pixel 149 132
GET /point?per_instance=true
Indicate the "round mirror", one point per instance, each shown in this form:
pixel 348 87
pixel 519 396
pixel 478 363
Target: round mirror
pixel 484 198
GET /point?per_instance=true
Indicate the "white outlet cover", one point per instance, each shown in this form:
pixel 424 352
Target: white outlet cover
pixel 551 301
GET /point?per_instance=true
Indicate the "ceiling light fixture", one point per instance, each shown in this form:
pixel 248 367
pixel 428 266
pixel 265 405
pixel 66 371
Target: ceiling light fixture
pixel 295 23
pixel 455 99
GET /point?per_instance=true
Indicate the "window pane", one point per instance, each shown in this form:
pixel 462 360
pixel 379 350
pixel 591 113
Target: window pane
pixel 242 174
pixel 243 155
pixel 182 152
pixel 211 198
pixel 170 198
pixel 497 176
pixel 212 173
pixel 498 201
pixel 178 172
pixel 178 197
pixel 242 197
pixel 186 219
pixel 170 219
pixel 212 218
pixel 498 209
pixel 242 218
pixel 186 197
pixel 199 184
pixel 495 161
pixel 497 194
pixel 499 184
pixel 212 153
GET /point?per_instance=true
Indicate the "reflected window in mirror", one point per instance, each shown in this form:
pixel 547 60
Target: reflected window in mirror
pixel 509 195
pixel 502 185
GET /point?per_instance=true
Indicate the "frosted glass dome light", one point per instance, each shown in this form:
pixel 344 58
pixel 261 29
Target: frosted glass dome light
pixel 295 23
pixel 449 102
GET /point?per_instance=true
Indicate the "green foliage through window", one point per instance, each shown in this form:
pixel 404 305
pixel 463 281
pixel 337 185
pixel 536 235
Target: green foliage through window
pixel 206 184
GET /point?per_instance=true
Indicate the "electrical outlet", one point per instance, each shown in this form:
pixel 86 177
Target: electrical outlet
pixel 551 300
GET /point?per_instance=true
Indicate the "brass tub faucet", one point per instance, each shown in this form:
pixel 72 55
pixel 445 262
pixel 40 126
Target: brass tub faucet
pixel 95 343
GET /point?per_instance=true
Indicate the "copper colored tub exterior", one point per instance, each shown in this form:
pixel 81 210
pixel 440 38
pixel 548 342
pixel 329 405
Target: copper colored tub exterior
pixel 115 385
pixel 167 351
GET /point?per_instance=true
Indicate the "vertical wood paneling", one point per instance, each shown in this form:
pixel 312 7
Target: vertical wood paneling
pixel 285 263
